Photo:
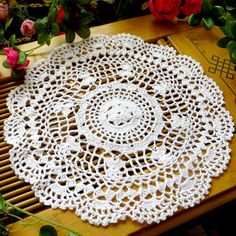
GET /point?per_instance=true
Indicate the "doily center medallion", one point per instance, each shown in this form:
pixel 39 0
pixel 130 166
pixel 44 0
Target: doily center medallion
pixel 120 117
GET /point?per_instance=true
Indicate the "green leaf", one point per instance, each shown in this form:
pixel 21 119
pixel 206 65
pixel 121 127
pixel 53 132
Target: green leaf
pixel 47 230
pixel 40 27
pixel 44 20
pixel 226 29
pixel 206 6
pixel 52 15
pixel 86 20
pixel 3 205
pixel 3 229
pixel 230 8
pixel 233 56
pixel 42 38
pixel 55 29
pixel 218 11
pixel 233 29
pixel 232 46
pixel 70 36
pixel 195 19
pixel 8 23
pixel 223 42
pixel 6 65
pixel 22 58
pixel 84 31
pixel 48 40
pixel 12 40
pixel 208 23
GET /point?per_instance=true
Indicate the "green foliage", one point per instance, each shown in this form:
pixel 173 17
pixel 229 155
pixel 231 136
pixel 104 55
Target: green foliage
pixel 7 209
pixel 47 230
pixel 224 16
pixel 22 58
pixel 206 6
pixel 223 42
pixel 5 64
pixel 70 36
pixel 195 19
pixel 3 229
pixel 208 23
pixel 11 41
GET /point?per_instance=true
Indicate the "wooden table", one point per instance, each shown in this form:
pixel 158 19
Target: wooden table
pixel 196 42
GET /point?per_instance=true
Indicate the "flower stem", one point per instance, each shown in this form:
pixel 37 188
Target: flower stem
pixel 32 49
pixel 15 216
pixel 42 219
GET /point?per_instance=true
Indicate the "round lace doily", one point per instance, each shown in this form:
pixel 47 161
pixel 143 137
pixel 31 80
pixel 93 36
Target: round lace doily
pixel 114 127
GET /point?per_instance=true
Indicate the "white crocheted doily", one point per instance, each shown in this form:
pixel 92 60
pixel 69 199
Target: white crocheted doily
pixel 114 127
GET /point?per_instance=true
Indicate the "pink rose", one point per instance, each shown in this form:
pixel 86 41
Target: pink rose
pixel 12 59
pixel 164 9
pixel 3 12
pixel 191 6
pixel 27 28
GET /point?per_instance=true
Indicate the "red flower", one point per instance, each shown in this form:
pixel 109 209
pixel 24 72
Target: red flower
pixel 164 9
pixel 60 14
pixel 27 28
pixel 191 6
pixel 12 59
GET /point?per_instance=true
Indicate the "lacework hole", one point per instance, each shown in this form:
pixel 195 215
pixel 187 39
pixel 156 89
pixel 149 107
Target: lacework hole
pixel 137 198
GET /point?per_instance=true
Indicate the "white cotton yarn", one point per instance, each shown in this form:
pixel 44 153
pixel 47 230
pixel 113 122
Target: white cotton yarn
pixel 113 127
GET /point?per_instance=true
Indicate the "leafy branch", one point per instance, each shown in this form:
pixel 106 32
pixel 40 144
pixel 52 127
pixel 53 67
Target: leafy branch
pixel 68 17
pixel 12 211
pixel 222 15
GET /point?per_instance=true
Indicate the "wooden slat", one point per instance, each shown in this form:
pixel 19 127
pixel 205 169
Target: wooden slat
pixel 4 156
pixel 4 110
pixel 5 168
pixel 35 207
pixel 5 149
pixel 7 175
pixel 4 162
pixel 162 42
pixel 17 193
pixel 4 116
pixel 3 144
pixel 11 186
pixel 8 180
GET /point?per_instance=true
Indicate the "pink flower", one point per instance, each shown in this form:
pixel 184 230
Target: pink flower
pixel 164 9
pixel 12 59
pixel 27 28
pixel 22 66
pixel 191 6
pixel 3 12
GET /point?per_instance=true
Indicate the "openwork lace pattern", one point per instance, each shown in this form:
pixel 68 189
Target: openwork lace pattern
pixel 113 127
